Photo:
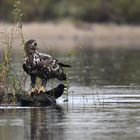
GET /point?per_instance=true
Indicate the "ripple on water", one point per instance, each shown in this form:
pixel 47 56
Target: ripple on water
pixel 101 113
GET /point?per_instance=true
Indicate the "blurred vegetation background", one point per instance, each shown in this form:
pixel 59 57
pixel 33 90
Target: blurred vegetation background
pixel 118 11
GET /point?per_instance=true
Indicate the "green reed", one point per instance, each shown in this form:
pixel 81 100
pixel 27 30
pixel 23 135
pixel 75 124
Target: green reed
pixel 68 73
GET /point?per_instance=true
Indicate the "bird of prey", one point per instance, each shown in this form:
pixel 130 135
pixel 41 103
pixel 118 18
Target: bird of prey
pixel 41 65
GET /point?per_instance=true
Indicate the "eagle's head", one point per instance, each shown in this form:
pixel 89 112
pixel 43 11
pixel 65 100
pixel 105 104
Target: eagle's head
pixel 30 46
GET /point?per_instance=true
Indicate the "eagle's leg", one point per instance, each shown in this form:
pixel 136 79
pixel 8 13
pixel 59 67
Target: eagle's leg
pixel 33 82
pixel 43 86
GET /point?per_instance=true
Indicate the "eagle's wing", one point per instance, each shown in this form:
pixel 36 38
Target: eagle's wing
pixel 29 66
pixel 25 68
pixel 48 63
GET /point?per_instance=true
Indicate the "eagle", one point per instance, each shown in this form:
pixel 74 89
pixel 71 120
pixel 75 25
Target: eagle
pixel 41 65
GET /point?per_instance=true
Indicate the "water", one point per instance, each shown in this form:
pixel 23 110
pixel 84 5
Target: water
pixel 104 102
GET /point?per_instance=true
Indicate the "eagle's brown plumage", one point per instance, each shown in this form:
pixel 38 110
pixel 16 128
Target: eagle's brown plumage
pixel 41 65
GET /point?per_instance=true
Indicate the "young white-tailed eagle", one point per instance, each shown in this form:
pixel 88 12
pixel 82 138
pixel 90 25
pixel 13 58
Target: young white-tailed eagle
pixel 41 65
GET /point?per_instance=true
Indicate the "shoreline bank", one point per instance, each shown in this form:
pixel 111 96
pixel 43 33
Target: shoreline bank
pixel 68 36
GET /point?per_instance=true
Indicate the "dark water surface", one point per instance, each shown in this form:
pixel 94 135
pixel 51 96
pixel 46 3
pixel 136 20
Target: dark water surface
pixel 104 102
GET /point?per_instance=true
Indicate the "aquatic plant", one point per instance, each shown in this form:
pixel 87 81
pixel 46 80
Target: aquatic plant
pixel 68 73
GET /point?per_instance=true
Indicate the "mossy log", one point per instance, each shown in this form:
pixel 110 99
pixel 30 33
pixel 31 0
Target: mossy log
pixel 35 99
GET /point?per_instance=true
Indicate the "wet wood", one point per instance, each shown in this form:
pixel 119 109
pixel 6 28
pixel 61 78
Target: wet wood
pixel 35 99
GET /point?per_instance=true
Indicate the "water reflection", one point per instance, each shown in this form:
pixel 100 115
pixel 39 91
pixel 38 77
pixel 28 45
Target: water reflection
pixel 41 122
pixel 31 123
pixel 106 67
pixel 79 119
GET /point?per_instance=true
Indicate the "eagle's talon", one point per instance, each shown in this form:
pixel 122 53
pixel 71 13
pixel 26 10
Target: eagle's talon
pixel 41 90
pixel 33 90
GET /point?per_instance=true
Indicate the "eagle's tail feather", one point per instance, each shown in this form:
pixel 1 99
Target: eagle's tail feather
pixel 64 65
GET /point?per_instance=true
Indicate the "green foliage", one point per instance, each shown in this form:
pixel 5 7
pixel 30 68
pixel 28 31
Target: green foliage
pixel 121 11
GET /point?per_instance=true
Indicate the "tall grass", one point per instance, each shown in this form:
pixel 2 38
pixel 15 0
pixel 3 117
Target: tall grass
pixel 9 79
pixel 8 36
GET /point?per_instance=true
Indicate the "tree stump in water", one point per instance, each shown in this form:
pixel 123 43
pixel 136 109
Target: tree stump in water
pixel 35 99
